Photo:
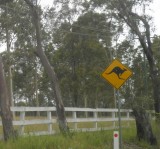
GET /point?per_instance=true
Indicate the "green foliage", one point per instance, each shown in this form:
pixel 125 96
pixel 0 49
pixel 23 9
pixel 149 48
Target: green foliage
pixel 78 49
pixel 137 91
pixel 2 2
pixel 85 140
pixel 81 58
pixel 28 76
pixel 156 49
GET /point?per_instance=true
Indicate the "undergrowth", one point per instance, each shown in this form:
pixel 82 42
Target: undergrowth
pixel 77 140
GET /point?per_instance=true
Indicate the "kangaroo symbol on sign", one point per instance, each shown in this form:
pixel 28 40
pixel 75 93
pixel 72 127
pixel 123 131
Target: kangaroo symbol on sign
pixel 118 71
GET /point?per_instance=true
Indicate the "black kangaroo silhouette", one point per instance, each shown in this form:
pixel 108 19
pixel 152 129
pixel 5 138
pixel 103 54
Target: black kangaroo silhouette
pixel 118 71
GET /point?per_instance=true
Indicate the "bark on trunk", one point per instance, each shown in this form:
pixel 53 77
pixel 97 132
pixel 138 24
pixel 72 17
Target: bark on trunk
pixel 156 93
pixel 144 129
pixel 10 83
pixel 145 40
pixel 6 113
pixel 49 70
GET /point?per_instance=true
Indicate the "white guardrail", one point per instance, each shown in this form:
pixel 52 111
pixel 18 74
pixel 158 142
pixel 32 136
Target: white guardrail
pixel 101 118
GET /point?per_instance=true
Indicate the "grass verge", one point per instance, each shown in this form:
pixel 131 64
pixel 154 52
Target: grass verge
pixel 81 140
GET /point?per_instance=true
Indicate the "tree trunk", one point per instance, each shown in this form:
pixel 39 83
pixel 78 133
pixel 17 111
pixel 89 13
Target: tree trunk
pixel 49 70
pixel 145 40
pixel 10 82
pixel 36 91
pixel 144 129
pixel 156 92
pixel 6 113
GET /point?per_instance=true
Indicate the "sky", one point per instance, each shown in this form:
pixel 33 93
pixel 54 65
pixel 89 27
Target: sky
pixel 156 15
pixel 155 12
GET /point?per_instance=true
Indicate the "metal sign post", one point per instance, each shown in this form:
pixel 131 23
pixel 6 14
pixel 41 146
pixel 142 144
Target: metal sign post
pixel 119 119
pixel 117 74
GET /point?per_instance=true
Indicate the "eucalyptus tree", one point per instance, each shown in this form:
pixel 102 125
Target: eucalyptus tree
pixel 82 56
pixel 156 49
pixel 6 24
pixel 28 75
pixel 135 21
pixel 124 12
pixel 50 70
pixel 21 58
pixel 140 83
pixel 6 113
pixel 137 93
pixel 140 98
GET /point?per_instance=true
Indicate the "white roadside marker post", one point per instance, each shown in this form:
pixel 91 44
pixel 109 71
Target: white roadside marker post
pixel 115 140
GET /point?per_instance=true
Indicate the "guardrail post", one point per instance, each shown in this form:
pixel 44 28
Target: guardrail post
pixel 74 115
pixel 95 117
pixel 113 117
pixel 49 117
pixel 22 118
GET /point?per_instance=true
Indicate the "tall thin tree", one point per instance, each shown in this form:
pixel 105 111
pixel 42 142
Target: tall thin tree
pixel 49 69
pixel 134 21
pixel 6 113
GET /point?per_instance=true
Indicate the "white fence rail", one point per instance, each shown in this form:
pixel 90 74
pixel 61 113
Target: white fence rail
pixel 75 116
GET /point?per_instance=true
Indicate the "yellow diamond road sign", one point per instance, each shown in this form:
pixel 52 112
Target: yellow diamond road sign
pixel 116 74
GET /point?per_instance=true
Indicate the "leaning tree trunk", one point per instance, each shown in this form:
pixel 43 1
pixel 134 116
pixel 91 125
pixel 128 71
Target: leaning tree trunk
pixel 144 129
pixel 6 113
pixel 49 70
pixel 132 20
